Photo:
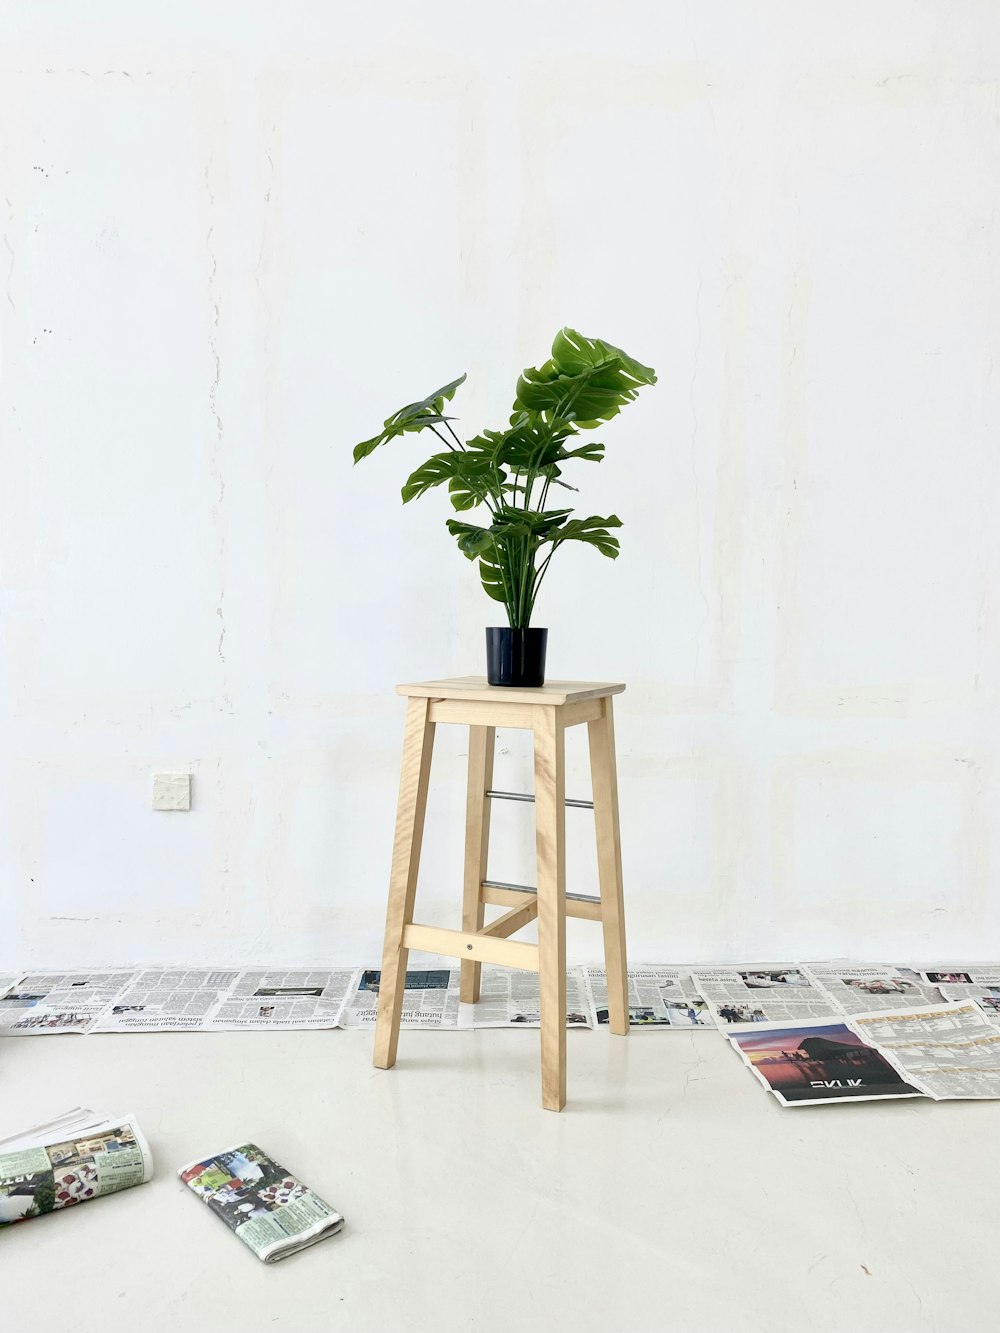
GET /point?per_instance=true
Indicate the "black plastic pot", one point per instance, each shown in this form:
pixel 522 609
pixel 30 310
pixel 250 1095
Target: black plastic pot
pixel 515 656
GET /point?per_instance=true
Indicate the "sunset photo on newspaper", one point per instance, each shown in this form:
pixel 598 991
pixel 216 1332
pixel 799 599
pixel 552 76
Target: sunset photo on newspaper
pixel 822 1062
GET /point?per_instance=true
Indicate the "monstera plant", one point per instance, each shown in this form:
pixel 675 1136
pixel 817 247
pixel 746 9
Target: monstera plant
pixel 510 475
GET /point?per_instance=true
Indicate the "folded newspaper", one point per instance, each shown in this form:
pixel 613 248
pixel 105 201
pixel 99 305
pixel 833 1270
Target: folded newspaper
pixel 268 1208
pixel 75 1158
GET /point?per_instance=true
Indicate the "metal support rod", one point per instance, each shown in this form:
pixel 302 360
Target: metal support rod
pixel 530 888
pixel 524 796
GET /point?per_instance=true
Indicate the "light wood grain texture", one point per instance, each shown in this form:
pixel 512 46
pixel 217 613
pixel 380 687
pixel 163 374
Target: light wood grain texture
pixel 418 743
pixel 459 944
pixel 550 857
pixel 604 775
pixel 584 710
pixel 513 920
pixel 482 743
pixel 476 689
pixel 547 712
pixel 584 911
pixel 475 713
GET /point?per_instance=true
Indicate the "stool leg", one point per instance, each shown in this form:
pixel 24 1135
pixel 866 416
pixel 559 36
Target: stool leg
pixel 604 775
pixel 550 856
pixel 482 742
pixel 418 742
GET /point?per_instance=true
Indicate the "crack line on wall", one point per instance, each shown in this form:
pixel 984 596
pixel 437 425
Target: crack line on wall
pixel 213 392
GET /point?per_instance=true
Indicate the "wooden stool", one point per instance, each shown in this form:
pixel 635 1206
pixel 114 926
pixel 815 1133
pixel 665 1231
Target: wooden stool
pixel 546 712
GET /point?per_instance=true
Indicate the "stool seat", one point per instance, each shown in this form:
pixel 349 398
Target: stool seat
pixel 478 690
pixel 547 711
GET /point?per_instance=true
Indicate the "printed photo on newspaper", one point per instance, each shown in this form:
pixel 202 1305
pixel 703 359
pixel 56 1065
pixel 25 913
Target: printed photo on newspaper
pixel 49 1003
pixel 71 1160
pixel 270 1210
pixel 658 997
pixel 818 1063
pixel 509 997
pixel 430 999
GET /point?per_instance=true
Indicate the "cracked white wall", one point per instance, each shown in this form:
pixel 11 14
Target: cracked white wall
pixel 234 240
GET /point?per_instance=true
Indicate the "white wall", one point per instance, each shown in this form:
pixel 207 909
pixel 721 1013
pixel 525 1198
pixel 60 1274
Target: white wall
pixel 234 237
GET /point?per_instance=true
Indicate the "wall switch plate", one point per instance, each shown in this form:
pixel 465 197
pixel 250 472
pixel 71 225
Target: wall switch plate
pixel 171 791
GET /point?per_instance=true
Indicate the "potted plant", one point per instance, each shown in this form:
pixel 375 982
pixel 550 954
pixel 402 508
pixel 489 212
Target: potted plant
pixel 510 473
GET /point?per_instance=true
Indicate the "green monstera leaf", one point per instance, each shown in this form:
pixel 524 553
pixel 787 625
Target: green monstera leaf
pixel 593 531
pixel 585 380
pixel 414 416
pixel 466 474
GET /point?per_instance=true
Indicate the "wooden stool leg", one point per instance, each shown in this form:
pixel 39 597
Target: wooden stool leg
pixel 482 742
pixel 550 843
pixel 418 742
pixel 604 775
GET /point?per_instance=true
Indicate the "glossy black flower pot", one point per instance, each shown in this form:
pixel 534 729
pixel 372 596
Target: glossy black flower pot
pixel 515 656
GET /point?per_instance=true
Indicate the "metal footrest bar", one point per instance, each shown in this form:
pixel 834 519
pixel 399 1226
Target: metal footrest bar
pixel 530 888
pixel 526 796
pixel 504 895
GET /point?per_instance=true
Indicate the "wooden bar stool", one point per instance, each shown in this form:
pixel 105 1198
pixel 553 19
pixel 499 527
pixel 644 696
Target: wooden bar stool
pixel 546 712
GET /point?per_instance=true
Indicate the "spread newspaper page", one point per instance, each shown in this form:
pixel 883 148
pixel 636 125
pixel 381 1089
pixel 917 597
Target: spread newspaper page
pixel 71 1160
pixel 430 999
pixel 658 997
pixel 950 1051
pixel 48 1003
pixel 167 999
pixel 979 982
pixel 275 999
pixel 818 1063
pixel 745 995
pixel 857 989
pixel 942 1051
pixel 509 997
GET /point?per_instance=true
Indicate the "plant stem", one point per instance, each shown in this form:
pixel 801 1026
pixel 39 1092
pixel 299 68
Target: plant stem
pixel 447 443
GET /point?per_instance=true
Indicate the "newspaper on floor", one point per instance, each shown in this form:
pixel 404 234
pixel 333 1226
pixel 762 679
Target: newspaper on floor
pixel 943 1051
pixel 269 1209
pixel 273 1000
pixel 856 989
pixel 73 1159
pixel 658 997
pixel 48 1003
pixel 979 982
pixel 430 999
pixel 164 999
pixel 949 1051
pixel 8 980
pixel 748 995
pixel 745 995
pixel 509 997
pixel 820 1062
pixel 932 993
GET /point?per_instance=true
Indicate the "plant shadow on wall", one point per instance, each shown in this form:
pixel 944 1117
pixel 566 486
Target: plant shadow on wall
pixel 510 473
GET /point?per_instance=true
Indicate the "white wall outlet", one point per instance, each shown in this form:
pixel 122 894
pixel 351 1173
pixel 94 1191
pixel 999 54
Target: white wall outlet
pixel 171 791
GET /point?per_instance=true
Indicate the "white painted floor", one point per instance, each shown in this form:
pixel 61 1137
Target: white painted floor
pixel 672 1194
